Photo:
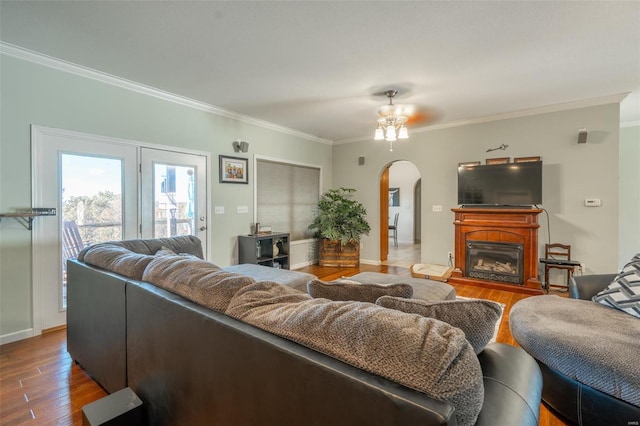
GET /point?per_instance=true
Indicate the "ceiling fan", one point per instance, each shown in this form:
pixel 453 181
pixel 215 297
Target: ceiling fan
pixel 394 119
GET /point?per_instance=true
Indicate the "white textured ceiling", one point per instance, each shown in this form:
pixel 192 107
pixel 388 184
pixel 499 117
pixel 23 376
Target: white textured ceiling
pixel 313 66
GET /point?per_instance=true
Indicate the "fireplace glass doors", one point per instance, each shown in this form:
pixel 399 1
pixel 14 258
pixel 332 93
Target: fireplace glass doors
pixel 492 261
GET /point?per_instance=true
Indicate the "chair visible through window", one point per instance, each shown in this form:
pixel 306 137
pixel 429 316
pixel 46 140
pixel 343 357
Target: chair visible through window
pixel 393 230
pixel 72 242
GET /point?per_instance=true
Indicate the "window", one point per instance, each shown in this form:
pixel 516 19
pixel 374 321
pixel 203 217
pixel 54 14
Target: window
pixel 286 196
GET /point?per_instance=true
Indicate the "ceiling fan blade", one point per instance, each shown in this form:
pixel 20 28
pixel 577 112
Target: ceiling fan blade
pixel 421 117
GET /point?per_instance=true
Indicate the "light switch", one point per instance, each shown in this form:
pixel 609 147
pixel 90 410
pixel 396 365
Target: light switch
pixel 592 202
pixel 243 209
pixel 218 210
pixel 436 208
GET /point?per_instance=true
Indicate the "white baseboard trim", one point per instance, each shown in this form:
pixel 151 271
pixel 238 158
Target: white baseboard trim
pixel 370 262
pixel 303 264
pixel 17 335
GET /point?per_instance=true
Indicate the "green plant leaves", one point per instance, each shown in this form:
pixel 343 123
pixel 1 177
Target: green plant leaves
pixel 339 217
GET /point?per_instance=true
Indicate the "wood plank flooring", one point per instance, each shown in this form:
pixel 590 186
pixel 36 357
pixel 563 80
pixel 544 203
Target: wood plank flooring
pixel 40 384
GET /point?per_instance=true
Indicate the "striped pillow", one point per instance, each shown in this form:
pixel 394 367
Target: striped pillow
pixel 624 292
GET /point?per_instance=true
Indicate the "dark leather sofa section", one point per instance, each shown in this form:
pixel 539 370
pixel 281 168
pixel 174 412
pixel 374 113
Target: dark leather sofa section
pixel 194 366
pixel 586 286
pixel 96 323
pixel 191 365
pixel 512 383
pixel 583 405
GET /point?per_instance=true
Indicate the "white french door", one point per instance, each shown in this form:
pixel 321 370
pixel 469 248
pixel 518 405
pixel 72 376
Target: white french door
pixel 87 172
pixel 170 184
pixel 105 189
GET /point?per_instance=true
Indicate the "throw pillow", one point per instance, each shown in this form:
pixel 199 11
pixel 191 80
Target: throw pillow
pixel 475 317
pixel 624 292
pixel 352 290
pixel 420 353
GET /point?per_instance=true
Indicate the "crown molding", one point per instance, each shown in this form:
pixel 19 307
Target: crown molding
pixel 583 103
pixel 79 70
pixel 630 124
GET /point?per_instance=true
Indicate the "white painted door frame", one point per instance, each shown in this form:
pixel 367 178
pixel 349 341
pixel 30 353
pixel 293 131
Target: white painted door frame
pixel 42 243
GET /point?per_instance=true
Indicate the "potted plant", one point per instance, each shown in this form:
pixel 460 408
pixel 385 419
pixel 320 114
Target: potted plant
pixel 339 223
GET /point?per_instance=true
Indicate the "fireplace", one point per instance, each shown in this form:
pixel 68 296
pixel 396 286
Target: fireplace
pixel 497 248
pixel 501 262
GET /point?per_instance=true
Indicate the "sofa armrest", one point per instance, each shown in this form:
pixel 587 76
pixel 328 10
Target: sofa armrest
pixel 586 286
pixel 512 387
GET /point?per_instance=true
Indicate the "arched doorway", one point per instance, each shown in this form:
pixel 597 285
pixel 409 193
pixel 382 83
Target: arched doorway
pixel 400 194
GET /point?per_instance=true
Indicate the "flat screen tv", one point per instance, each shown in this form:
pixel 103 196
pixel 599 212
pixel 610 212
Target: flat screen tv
pixel 511 184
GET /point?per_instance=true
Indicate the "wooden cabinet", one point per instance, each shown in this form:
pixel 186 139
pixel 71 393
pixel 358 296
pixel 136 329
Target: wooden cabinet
pixel 264 249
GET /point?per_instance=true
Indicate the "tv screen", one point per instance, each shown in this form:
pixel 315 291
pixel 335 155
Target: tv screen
pixel 511 184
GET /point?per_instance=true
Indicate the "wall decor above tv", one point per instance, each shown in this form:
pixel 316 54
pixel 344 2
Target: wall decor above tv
pixel 510 184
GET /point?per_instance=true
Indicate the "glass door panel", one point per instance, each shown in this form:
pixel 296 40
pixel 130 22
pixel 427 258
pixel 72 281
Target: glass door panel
pixel 92 206
pixel 174 209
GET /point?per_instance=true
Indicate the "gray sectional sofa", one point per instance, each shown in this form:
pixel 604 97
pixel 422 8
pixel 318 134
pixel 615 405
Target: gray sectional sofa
pixel 587 352
pixel 202 345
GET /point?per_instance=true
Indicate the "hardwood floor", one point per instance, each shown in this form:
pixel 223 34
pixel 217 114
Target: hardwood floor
pixel 40 384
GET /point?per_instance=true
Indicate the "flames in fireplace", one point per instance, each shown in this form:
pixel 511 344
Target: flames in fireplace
pixel 494 261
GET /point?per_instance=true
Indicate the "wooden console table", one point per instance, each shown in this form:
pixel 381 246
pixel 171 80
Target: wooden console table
pixel 500 225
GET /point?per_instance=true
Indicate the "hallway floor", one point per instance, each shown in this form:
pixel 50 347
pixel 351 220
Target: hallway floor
pixel 404 256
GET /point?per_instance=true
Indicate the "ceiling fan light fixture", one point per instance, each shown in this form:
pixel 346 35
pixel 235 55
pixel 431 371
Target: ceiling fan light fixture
pixel 391 124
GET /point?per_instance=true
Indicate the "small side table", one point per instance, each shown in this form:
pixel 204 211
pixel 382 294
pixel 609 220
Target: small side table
pixel 568 265
pixel 121 408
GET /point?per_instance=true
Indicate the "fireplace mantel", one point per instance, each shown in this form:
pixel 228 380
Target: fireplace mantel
pixel 500 225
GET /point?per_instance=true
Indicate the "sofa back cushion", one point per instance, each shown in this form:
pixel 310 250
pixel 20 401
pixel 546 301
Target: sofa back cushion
pixel 115 258
pixel 183 244
pixel 420 353
pixel 356 291
pixel 197 280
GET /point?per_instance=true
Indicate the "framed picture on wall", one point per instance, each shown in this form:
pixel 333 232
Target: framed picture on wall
pixel 394 197
pixel 525 159
pixel 233 169
pixel 469 164
pixel 501 160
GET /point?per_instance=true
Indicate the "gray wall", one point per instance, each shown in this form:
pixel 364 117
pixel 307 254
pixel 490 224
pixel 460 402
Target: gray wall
pixel 629 193
pixel 571 173
pixel 35 94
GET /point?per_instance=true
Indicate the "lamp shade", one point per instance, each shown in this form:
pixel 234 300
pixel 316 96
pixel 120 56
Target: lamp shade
pixel 379 135
pixel 391 133
pixel 403 133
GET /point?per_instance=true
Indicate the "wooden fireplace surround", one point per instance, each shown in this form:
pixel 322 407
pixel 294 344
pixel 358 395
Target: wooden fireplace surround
pixel 499 225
